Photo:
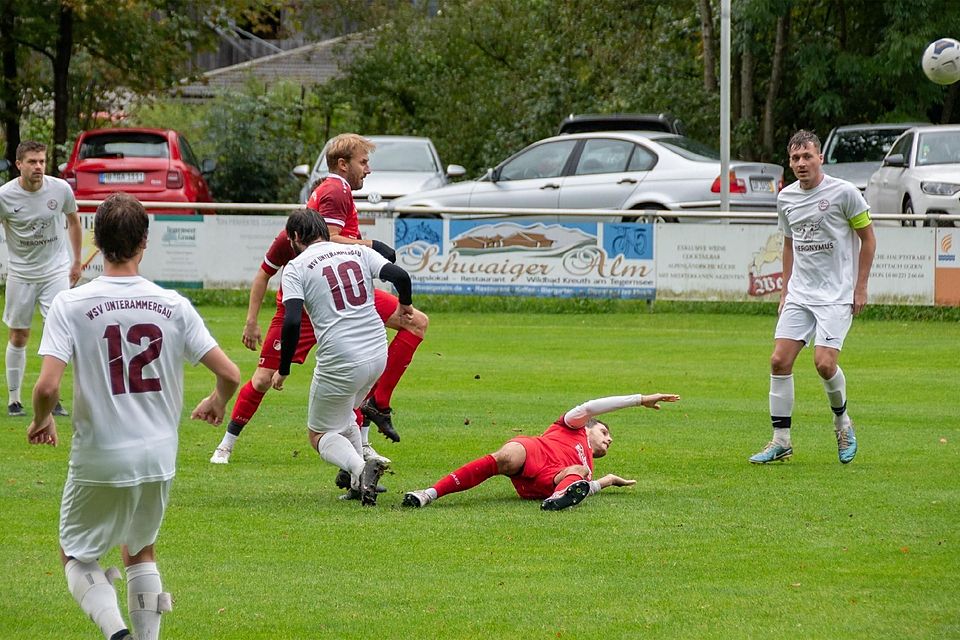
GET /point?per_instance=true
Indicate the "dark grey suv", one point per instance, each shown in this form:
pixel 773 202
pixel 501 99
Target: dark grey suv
pixel 589 122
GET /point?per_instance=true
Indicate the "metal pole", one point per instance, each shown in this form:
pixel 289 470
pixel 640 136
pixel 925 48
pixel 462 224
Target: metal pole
pixel 724 105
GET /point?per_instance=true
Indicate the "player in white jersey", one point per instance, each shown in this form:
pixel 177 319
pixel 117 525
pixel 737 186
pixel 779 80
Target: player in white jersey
pixel 828 249
pixel 334 282
pixel 32 209
pixel 128 340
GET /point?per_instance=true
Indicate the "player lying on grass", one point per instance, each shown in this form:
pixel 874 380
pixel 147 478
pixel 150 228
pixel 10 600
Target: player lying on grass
pixel 556 467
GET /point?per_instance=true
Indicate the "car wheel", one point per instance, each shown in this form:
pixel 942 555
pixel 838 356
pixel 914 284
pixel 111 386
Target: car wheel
pixel 908 210
pixel 650 207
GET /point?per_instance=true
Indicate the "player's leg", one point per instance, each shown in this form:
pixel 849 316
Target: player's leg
pixel 409 335
pixel 332 423
pixel 46 292
pixel 507 460
pixel 794 329
pixel 89 519
pixel 146 599
pixel 572 488
pixel 833 324
pixel 18 309
pixel 252 393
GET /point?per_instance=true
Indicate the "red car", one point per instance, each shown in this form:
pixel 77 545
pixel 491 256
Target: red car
pixel 150 164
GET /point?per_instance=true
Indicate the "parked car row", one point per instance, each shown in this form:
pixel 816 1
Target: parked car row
pixel 629 162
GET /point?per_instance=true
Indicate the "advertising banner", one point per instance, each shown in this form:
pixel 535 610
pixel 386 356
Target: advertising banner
pixel 527 257
pixel 903 267
pixel 947 267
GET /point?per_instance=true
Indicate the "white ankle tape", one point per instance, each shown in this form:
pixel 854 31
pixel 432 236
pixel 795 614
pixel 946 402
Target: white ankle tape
pixel 159 602
pixel 112 574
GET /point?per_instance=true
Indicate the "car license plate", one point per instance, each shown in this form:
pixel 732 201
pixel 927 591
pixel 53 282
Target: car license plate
pixel 129 177
pixel 761 184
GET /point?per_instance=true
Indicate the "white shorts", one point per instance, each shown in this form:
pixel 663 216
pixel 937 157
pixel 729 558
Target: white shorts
pixel 827 325
pixel 23 297
pixel 335 393
pixel 95 519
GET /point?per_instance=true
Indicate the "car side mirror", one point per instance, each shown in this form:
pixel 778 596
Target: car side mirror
pixel 301 171
pixel 493 175
pixel 207 165
pixel 895 160
pixel 5 164
pixel 455 171
pixel 60 167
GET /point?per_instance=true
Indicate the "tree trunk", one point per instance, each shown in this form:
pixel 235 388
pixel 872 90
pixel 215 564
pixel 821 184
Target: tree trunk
pixel 61 87
pixel 9 103
pixel 747 113
pixel 950 103
pixel 776 77
pixel 709 59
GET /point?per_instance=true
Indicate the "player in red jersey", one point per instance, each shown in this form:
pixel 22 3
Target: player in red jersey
pixel 348 159
pixel 556 467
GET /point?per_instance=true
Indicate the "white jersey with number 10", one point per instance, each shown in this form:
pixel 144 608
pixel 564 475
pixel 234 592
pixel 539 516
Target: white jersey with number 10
pixel 335 282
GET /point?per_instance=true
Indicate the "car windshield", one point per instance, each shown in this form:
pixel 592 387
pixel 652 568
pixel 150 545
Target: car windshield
pixel 398 155
pixel 938 147
pixel 689 148
pixel 861 145
pixel 124 145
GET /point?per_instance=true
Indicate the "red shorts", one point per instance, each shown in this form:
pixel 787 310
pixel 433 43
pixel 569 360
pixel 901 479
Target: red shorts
pixel 385 303
pixel 535 482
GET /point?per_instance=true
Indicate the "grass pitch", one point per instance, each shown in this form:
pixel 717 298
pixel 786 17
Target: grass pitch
pixel 705 546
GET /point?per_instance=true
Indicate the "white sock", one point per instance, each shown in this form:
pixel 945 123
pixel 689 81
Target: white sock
pixel 781 407
pixel 353 435
pixel 365 435
pixel 836 388
pixel 143 589
pixel 16 365
pixel 339 451
pixel 93 592
pixel 432 493
pixel 228 441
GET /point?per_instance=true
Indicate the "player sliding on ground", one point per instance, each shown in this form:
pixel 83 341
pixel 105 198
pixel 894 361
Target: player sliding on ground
pixel 556 467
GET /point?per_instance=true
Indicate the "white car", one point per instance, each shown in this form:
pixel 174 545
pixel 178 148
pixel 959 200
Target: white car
pixel 920 175
pixel 854 151
pixel 398 166
pixel 632 170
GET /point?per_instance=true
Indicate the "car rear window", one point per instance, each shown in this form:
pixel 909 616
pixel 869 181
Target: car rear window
pixel 689 148
pixel 861 145
pixel 124 145
pixel 397 156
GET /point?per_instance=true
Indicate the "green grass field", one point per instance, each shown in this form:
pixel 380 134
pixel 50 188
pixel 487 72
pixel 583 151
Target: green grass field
pixel 705 546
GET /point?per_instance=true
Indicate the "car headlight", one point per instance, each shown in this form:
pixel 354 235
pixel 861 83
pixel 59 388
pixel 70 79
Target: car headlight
pixel 939 188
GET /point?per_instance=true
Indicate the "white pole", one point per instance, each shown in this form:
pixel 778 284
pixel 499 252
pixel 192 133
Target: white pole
pixel 724 105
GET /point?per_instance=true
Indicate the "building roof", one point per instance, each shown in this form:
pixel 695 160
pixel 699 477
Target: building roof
pixel 307 65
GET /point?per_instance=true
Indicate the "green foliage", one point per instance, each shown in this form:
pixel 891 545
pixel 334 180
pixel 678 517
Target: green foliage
pixel 704 546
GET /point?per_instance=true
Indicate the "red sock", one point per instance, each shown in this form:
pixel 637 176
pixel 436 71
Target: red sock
pixel 358 417
pixel 248 401
pixel 468 476
pixel 566 482
pixel 399 354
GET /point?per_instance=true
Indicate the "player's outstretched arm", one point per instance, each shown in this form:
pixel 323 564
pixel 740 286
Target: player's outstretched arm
pixel 611 480
pixel 212 408
pixel 581 414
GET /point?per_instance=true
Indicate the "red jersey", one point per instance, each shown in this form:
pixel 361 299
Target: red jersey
pixel 558 448
pixel 277 256
pixel 333 200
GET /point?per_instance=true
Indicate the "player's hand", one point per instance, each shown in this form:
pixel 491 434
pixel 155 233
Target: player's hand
pixel 277 382
pixel 405 311
pixel 252 338
pixel 45 433
pixel 859 300
pixel 653 400
pixel 210 409
pixel 75 270
pixel 611 480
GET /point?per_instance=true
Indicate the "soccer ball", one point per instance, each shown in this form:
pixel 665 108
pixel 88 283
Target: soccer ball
pixel 941 61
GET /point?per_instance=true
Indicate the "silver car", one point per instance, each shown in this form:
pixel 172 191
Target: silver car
pixel 920 175
pixel 398 166
pixel 853 152
pixel 633 170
